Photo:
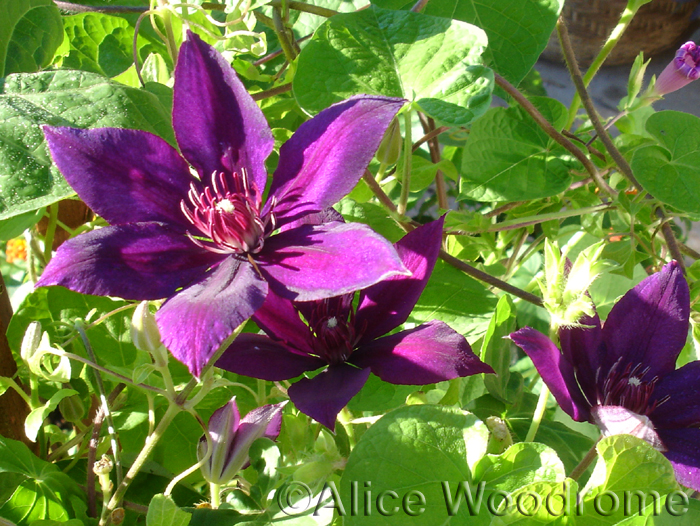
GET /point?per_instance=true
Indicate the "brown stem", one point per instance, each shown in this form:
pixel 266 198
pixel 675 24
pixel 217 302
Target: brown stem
pixel 79 8
pixel 277 53
pixel 377 190
pixel 554 134
pixel 282 35
pixel 284 88
pixel 585 462
pixel 685 249
pixel 428 125
pixel 419 5
pixel 502 209
pixel 670 238
pixel 307 8
pixel 92 450
pixel 428 136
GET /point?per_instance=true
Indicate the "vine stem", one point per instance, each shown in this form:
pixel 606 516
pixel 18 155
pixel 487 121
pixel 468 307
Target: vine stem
pixel 539 414
pixel 407 154
pixel 585 462
pixel 613 39
pixel 440 186
pixel 554 134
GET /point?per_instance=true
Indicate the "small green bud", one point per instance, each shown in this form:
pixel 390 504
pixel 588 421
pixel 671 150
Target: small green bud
pixel 72 408
pixel 146 336
pixel 103 466
pixel 390 148
pixel 634 84
pixel 500 438
pixel 30 342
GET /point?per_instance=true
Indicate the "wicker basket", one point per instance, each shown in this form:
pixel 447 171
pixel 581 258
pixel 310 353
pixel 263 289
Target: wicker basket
pixel 656 27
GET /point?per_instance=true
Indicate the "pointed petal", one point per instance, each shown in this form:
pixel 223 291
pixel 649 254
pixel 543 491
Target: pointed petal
pixel 555 370
pixel 684 453
pixel 261 357
pixel 387 304
pixel 328 154
pixel 139 261
pixel 324 396
pixel 196 321
pixel 327 215
pixel 125 176
pixel 280 320
pixel 222 427
pixel 314 262
pixel 649 324
pixel 581 347
pixel 678 397
pixel 430 353
pixel 217 124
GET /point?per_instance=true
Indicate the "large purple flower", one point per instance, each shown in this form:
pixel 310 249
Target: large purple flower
pixel 350 343
pixel 623 376
pixel 207 243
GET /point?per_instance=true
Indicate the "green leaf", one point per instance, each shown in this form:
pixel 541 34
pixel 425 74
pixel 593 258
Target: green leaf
pixel 521 464
pixel 13 227
pixel 102 44
pixel 378 396
pixel 518 30
pixel 54 307
pixel 496 350
pixel 370 214
pixel 61 98
pixel 540 503
pixel 40 490
pixel 413 449
pixel 671 170
pixel 30 33
pixel 435 62
pixel 162 511
pixel 35 419
pixel 458 300
pixel 508 157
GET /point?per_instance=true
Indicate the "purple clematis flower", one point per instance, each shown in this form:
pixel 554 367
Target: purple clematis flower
pixel 207 243
pixel 350 343
pixel 623 377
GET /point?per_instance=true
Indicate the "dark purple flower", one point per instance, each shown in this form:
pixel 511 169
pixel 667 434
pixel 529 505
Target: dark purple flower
pixel 231 438
pixel 623 377
pixel 682 70
pixel 351 343
pixel 207 243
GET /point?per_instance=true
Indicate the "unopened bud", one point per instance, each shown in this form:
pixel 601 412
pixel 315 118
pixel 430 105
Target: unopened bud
pixel 500 438
pixel 72 408
pixel 682 70
pixel 103 466
pixel 146 336
pixel 390 148
pixel 31 341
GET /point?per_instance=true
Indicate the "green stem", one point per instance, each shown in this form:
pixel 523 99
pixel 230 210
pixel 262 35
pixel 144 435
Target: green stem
pixel 585 462
pixel 407 153
pixel 345 417
pixel 215 490
pixel 281 32
pixel 539 413
pixel 307 8
pixel 11 383
pixel 613 39
pixel 50 231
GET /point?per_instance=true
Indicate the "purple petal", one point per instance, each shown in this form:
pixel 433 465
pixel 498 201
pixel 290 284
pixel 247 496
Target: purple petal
pixel 678 398
pixel 430 353
pixel 320 218
pixel 555 371
pixel 649 324
pixel 387 304
pixel 261 357
pixel 280 320
pixel 140 261
pixel 125 176
pixel 684 453
pixel 581 347
pixel 315 262
pixel 196 321
pixel 217 124
pixel 328 154
pixel 324 396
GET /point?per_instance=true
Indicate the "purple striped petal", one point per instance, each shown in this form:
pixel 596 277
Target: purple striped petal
pixel 125 176
pixel 555 370
pixel 386 305
pixel 328 154
pixel 217 123
pixel 684 453
pixel 196 321
pixel 679 394
pixel 139 261
pixel 280 320
pixel 649 324
pixel 324 396
pixel 261 357
pixel 581 347
pixel 315 262
pixel 430 353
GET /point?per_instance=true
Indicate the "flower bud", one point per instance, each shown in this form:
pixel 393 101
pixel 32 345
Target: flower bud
pixel 232 436
pixel 390 148
pixel 146 336
pixel 30 342
pixel 72 408
pixel 682 70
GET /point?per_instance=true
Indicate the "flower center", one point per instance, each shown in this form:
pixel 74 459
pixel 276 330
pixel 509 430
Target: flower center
pixel 227 215
pixel 332 328
pixel 627 388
